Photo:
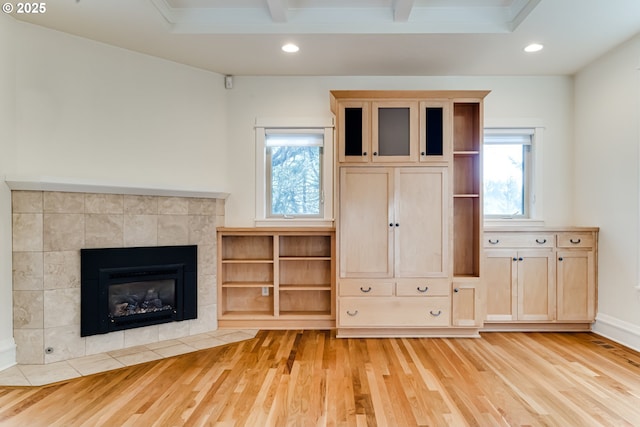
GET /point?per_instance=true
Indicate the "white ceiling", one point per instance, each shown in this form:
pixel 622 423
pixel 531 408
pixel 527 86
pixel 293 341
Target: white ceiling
pixel 356 37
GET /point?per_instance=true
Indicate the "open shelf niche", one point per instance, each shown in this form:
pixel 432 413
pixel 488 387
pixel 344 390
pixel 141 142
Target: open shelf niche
pixel 276 277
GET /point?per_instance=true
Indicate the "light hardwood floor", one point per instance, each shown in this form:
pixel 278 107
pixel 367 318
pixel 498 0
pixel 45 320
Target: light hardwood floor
pixel 310 378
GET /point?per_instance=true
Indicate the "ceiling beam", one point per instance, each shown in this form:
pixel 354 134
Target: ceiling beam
pixel 278 10
pixel 402 10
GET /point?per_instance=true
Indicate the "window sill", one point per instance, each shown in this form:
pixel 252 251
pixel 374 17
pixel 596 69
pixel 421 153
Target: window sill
pixel 295 222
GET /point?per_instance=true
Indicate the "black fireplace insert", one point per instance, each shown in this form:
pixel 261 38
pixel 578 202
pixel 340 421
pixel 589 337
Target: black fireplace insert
pixel 123 288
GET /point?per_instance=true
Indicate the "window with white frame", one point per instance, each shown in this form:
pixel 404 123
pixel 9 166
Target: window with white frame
pixel 508 173
pixel 294 175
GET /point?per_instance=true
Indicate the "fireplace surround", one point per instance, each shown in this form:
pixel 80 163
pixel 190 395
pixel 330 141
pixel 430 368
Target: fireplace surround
pixel 124 288
pixel 49 230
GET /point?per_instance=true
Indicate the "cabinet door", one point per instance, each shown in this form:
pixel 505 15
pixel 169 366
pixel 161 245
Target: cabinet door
pixel 576 288
pixel 354 140
pixel 366 227
pixel 466 304
pixel 435 131
pixel 536 285
pixel 421 222
pixel 394 131
pixel 500 276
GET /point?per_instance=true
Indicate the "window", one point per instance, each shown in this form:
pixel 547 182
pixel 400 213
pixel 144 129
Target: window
pixel 508 183
pixel 294 175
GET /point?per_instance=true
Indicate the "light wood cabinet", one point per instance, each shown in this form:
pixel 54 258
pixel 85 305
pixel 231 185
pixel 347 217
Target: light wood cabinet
pixel 394 222
pixel 276 278
pixel 539 280
pixel 409 212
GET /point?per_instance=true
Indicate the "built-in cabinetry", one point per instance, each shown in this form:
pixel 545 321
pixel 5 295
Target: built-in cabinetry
pixel 276 277
pixel 409 212
pixel 540 278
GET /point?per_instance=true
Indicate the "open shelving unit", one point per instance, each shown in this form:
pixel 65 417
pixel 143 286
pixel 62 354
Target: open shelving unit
pixel 275 278
pixel 467 203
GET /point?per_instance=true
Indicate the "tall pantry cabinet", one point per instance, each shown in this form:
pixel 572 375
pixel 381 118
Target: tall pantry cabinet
pixel 409 208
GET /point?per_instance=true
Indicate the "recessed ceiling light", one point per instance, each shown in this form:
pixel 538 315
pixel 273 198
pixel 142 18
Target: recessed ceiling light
pixel 533 47
pixel 290 48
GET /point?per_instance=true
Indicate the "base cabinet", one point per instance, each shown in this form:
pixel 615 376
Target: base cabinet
pixel 540 280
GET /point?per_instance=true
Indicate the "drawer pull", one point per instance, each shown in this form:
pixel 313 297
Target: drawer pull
pixel 543 241
pixel 422 290
pixel 365 290
pixel 494 242
pixel 435 314
pixel 352 314
pixel 575 242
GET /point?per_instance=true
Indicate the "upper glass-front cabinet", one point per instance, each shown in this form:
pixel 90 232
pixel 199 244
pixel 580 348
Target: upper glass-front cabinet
pixel 435 145
pixel 394 131
pixel 354 142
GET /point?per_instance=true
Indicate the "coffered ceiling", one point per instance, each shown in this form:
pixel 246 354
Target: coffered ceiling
pixel 355 37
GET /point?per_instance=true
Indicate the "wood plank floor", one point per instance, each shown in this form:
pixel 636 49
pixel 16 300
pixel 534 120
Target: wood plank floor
pixel 310 378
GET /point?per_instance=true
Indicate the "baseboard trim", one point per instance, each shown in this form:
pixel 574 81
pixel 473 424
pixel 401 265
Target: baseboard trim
pixel 617 330
pixel 7 353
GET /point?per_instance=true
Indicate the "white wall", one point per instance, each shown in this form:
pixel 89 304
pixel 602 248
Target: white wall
pixel 7 138
pixel 545 100
pixel 607 111
pixel 94 112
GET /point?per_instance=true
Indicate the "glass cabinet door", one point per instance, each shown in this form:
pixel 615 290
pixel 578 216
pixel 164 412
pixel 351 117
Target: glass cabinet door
pixel 394 132
pixel 354 141
pixel 435 137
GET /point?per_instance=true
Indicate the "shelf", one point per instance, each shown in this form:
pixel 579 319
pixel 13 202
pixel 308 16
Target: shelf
pixel 247 261
pixel 462 196
pixel 247 285
pixel 326 287
pixel 305 258
pixel 466 153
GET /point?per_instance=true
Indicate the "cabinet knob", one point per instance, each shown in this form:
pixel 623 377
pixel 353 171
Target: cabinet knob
pixel 423 153
pixel 375 153
pixel 456 290
pixel 515 259
pixel 364 154
pixel 422 290
pixel 397 225
pixel 560 259
pixel 575 242
pixel 365 290
pixel 435 314
pixel 390 224
pixel 520 259
pixel 352 313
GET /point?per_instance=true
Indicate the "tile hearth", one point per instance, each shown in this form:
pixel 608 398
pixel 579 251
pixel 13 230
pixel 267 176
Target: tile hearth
pixel 37 375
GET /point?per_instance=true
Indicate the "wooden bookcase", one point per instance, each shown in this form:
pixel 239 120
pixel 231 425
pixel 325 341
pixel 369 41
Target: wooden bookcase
pixel 276 278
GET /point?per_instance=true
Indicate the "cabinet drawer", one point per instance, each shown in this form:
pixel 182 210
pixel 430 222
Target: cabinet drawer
pixel 518 240
pixel 423 287
pixel 365 288
pixel 393 312
pixel 575 240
